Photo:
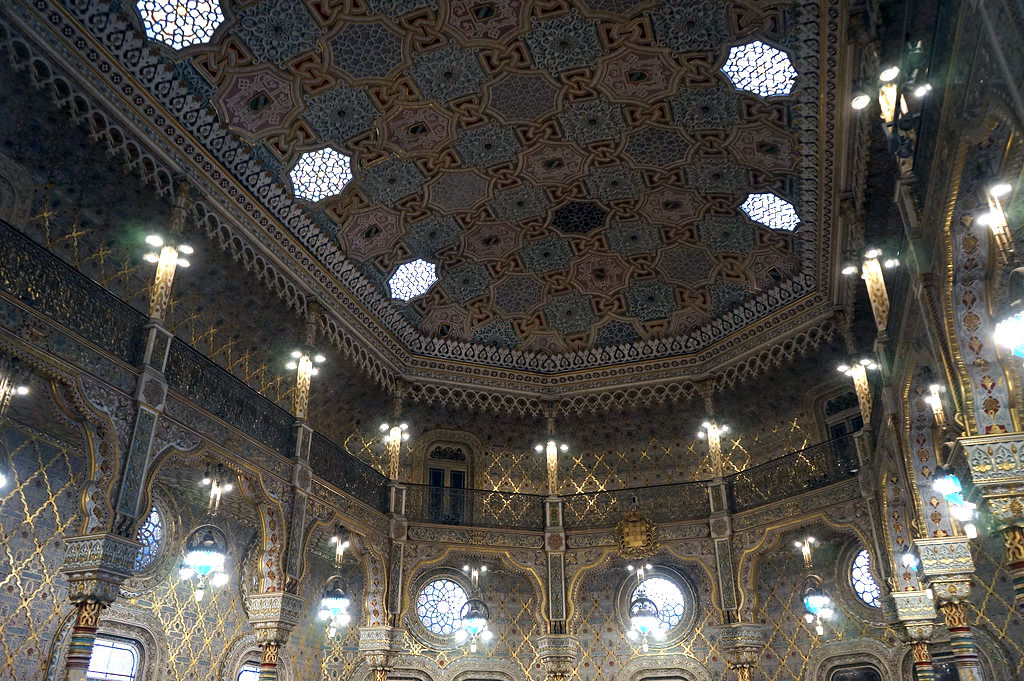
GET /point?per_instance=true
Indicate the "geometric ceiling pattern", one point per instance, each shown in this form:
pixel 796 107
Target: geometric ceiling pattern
pixel 543 153
pixel 573 169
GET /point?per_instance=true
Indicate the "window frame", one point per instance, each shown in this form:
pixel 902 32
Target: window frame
pixel 136 646
pixel 160 544
pixel 415 623
pixel 691 603
pixel 252 666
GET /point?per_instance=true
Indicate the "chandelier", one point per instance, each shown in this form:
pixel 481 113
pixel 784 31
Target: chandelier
pixel 334 609
pixel 818 607
pixel 340 543
pixel 474 615
pixel 946 483
pixel 644 619
pixel 204 563
pixel 218 479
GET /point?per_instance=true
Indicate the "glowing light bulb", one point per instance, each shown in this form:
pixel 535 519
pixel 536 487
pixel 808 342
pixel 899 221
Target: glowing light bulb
pixel 889 73
pixel 1000 190
pixel 860 101
pixel 154 240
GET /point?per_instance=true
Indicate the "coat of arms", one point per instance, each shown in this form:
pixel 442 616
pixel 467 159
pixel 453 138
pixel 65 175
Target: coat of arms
pixel 638 538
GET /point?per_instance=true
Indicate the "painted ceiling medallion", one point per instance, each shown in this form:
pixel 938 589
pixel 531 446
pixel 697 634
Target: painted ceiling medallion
pixel 258 102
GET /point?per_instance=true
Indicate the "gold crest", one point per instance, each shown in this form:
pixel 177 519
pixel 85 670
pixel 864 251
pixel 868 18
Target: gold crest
pixel 638 538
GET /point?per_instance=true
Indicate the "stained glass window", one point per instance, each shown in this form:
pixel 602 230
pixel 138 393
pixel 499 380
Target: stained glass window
pixel 667 596
pixel 114 659
pixel 319 174
pixel 761 69
pixel 180 23
pixel 862 580
pixel 439 606
pixel 151 536
pixel 412 279
pixel 771 211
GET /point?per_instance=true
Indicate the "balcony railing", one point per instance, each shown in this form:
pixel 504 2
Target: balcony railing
pixel 657 503
pixel 348 473
pixel 812 468
pixel 474 507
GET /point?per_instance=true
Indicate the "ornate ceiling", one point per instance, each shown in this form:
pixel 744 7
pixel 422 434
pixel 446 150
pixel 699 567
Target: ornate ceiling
pixel 575 172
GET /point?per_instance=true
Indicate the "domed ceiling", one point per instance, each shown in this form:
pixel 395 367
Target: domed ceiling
pixel 638 188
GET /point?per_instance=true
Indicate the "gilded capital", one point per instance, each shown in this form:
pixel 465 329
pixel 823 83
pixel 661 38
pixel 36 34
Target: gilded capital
pixel 95 566
pixel 273 615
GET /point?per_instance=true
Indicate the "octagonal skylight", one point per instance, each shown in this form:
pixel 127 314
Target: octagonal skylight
pixel 180 23
pixel 412 279
pixel 319 174
pixel 771 211
pixel 761 69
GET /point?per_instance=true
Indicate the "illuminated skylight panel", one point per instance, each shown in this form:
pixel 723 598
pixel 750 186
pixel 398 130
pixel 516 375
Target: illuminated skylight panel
pixel 771 211
pixel 761 69
pixel 180 23
pixel 412 279
pixel 319 174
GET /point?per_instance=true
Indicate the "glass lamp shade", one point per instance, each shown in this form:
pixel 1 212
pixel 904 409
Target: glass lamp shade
pixel 334 602
pixel 204 561
pixel 474 616
pixel 1009 333
pixel 946 483
pixel 643 616
pixel 818 604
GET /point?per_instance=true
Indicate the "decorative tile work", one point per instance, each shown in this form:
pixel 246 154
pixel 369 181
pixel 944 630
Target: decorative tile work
pixel 520 202
pixel 764 146
pixel 276 30
pixel 465 281
pixel 498 333
pixel 397 8
pixel 426 237
pixel 690 26
pixel 564 43
pixel 366 50
pixel 726 233
pixel 634 74
pixel 390 181
pixel 600 273
pixel 488 145
pixel 448 73
pixel 518 294
pixel 457 191
pixel 657 147
pixel 706 108
pixel 616 332
pixel 370 233
pixel 340 113
pixel 550 163
pixel 672 206
pixel 419 129
pixel 258 102
pixel 570 314
pixel 686 264
pixel 650 299
pixel 592 120
pixel 547 254
pixel 492 240
pixel 717 175
pixel 471 21
pixel 521 96
pixel 725 295
pixel 632 238
pixel 615 182
pixel 578 217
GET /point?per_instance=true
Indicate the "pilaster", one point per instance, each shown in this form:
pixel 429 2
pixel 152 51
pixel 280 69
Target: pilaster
pixel 554 549
pixel 916 613
pixel 720 525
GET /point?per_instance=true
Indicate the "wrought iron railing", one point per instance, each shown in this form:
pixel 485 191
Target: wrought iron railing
pixel 812 468
pixel 657 503
pixel 44 282
pixel 348 473
pixel 474 507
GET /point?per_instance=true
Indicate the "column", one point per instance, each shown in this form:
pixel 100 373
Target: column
pixel 946 568
pixel 997 471
pixel 378 647
pixel 916 613
pixel 721 534
pixel 559 653
pixel 741 645
pixel 554 549
pixel 95 566
pixel 273 616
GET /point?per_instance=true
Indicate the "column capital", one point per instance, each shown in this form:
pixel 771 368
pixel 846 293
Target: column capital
pixel 96 565
pixel 741 644
pixel 997 470
pixel 946 566
pixel 559 653
pixel 378 646
pixel 273 615
pixel 916 613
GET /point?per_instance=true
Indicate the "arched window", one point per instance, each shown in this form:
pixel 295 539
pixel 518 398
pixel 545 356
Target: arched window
pixel 439 606
pixel 667 597
pixel 114 659
pixel 863 582
pixel 250 671
pixel 151 536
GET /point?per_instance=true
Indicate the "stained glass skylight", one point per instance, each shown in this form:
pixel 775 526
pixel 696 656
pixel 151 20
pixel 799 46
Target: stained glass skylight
pixel 439 606
pixel 412 279
pixel 151 536
pixel 771 211
pixel 666 596
pixel 862 580
pixel 180 23
pixel 761 69
pixel 319 174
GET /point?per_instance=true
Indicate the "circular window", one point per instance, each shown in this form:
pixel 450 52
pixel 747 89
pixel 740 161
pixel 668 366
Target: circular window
pixel 863 582
pixel 667 597
pixel 439 606
pixel 151 536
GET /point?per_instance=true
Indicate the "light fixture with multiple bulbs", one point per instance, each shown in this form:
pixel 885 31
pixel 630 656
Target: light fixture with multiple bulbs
pixel 204 563
pixel 645 623
pixel 475 615
pixel 851 369
pixel 166 253
pixel 219 480
pixel 818 607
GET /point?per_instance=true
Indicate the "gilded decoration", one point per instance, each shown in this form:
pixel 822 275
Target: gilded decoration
pixel 637 536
